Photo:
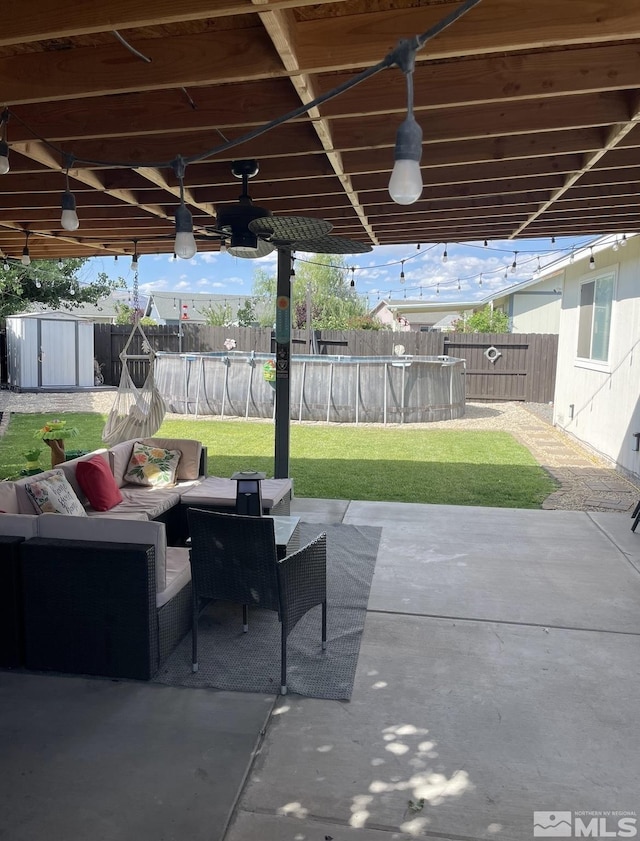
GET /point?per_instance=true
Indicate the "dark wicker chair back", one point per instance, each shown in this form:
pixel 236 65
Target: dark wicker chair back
pixel 234 558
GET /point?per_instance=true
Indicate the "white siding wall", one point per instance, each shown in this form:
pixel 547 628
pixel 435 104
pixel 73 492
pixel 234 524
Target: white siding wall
pixel 22 344
pixel 537 310
pixel 606 409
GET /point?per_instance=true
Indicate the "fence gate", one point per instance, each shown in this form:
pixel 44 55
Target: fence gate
pixel 507 366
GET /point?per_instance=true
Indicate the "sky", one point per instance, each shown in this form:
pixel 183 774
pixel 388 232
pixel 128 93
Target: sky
pixel 481 270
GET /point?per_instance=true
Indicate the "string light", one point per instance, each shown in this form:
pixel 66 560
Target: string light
pixel 134 259
pixel 572 256
pixel 486 243
pixel 402 273
pixel 480 280
pixel 437 289
pixel 623 241
pixel 445 256
pixel 5 166
pixel 26 258
pixel 514 265
pixel 459 287
pixel 223 246
pixel 185 243
pixel 69 219
pixel 5 264
pixel 592 260
pixel 616 245
pixel 60 263
pixel 405 184
pixel 353 280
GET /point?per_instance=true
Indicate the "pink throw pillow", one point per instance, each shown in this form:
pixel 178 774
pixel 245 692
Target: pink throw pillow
pixel 96 480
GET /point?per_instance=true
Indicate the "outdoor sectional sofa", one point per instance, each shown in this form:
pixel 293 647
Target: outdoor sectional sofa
pixel 108 593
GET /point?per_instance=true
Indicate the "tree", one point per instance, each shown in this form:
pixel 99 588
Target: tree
pixel 486 320
pixel 246 313
pixel 45 282
pixel 217 315
pixel 125 315
pixel 335 305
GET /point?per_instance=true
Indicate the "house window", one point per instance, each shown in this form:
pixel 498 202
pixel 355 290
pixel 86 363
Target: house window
pixel 594 327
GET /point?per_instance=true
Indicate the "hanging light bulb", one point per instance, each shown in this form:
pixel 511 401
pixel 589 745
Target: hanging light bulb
pixel 623 241
pixel 418 247
pixel 459 287
pixel 538 268
pixel 486 243
pixel 592 260
pixel 134 259
pixel 60 263
pixel 4 146
pixel 480 280
pixel 405 184
pixel 69 219
pixel 445 256
pixel 185 243
pixel 175 256
pixel 353 277
pixel 26 257
pixel 421 291
pixel 437 288
pixel 572 255
pixel 514 265
pixel 616 245
pixel 402 272
pixel 37 284
pixel 175 306
pixel 223 246
pixel 5 264
pixel 72 291
pixel 553 240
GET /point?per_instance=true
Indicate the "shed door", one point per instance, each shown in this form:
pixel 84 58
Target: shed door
pixel 58 353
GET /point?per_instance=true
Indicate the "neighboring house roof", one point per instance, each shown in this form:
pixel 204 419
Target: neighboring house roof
pixel 104 311
pixel 167 307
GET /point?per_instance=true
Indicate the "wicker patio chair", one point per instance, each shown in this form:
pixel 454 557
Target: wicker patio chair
pixel 234 559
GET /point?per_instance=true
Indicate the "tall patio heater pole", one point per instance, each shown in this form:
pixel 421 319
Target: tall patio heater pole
pixel 283 360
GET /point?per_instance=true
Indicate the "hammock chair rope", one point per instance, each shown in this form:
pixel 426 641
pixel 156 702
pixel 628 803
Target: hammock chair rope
pixel 136 412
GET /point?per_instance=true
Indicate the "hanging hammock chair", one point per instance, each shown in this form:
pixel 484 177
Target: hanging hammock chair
pixel 136 412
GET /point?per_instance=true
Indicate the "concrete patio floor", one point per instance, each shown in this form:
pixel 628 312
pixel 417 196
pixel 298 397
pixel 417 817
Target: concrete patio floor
pixel 499 675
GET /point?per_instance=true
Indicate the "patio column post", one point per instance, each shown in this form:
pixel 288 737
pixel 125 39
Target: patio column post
pixel 283 360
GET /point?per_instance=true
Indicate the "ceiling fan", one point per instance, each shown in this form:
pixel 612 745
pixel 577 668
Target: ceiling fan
pixel 252 231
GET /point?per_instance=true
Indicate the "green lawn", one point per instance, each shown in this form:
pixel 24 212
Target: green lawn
pixel 444 467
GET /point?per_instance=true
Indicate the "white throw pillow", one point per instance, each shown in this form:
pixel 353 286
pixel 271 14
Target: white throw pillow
pixel 54 495
pixel 152 466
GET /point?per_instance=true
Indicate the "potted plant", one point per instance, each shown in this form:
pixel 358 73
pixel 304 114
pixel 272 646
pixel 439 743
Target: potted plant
pixel 32 458
pixel 54 433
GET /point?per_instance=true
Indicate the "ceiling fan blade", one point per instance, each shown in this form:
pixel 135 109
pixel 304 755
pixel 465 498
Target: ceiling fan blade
pixel 332 245
pixel 250 252
pixel 287 229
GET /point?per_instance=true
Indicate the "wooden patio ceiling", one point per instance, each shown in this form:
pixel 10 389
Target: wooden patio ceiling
pixel 529 110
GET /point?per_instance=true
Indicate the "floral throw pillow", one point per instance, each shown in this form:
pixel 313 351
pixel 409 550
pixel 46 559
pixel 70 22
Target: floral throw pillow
pixel 152 466
pixel 54 495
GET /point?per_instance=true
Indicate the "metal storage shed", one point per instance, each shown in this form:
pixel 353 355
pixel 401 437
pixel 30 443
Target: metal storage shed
pixel 49 350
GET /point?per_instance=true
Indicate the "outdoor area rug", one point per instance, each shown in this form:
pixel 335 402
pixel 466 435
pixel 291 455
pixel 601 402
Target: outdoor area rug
pixel 230 659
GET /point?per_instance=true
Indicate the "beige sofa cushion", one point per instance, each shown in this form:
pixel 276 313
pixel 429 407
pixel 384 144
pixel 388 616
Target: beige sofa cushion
pixel 110 530
pixel 8 498
pixel 20 525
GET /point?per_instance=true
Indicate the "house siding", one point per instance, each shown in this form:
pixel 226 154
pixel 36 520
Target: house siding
pixel 604 396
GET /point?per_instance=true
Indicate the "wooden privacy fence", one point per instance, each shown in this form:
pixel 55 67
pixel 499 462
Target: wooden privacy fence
pixel 499 366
